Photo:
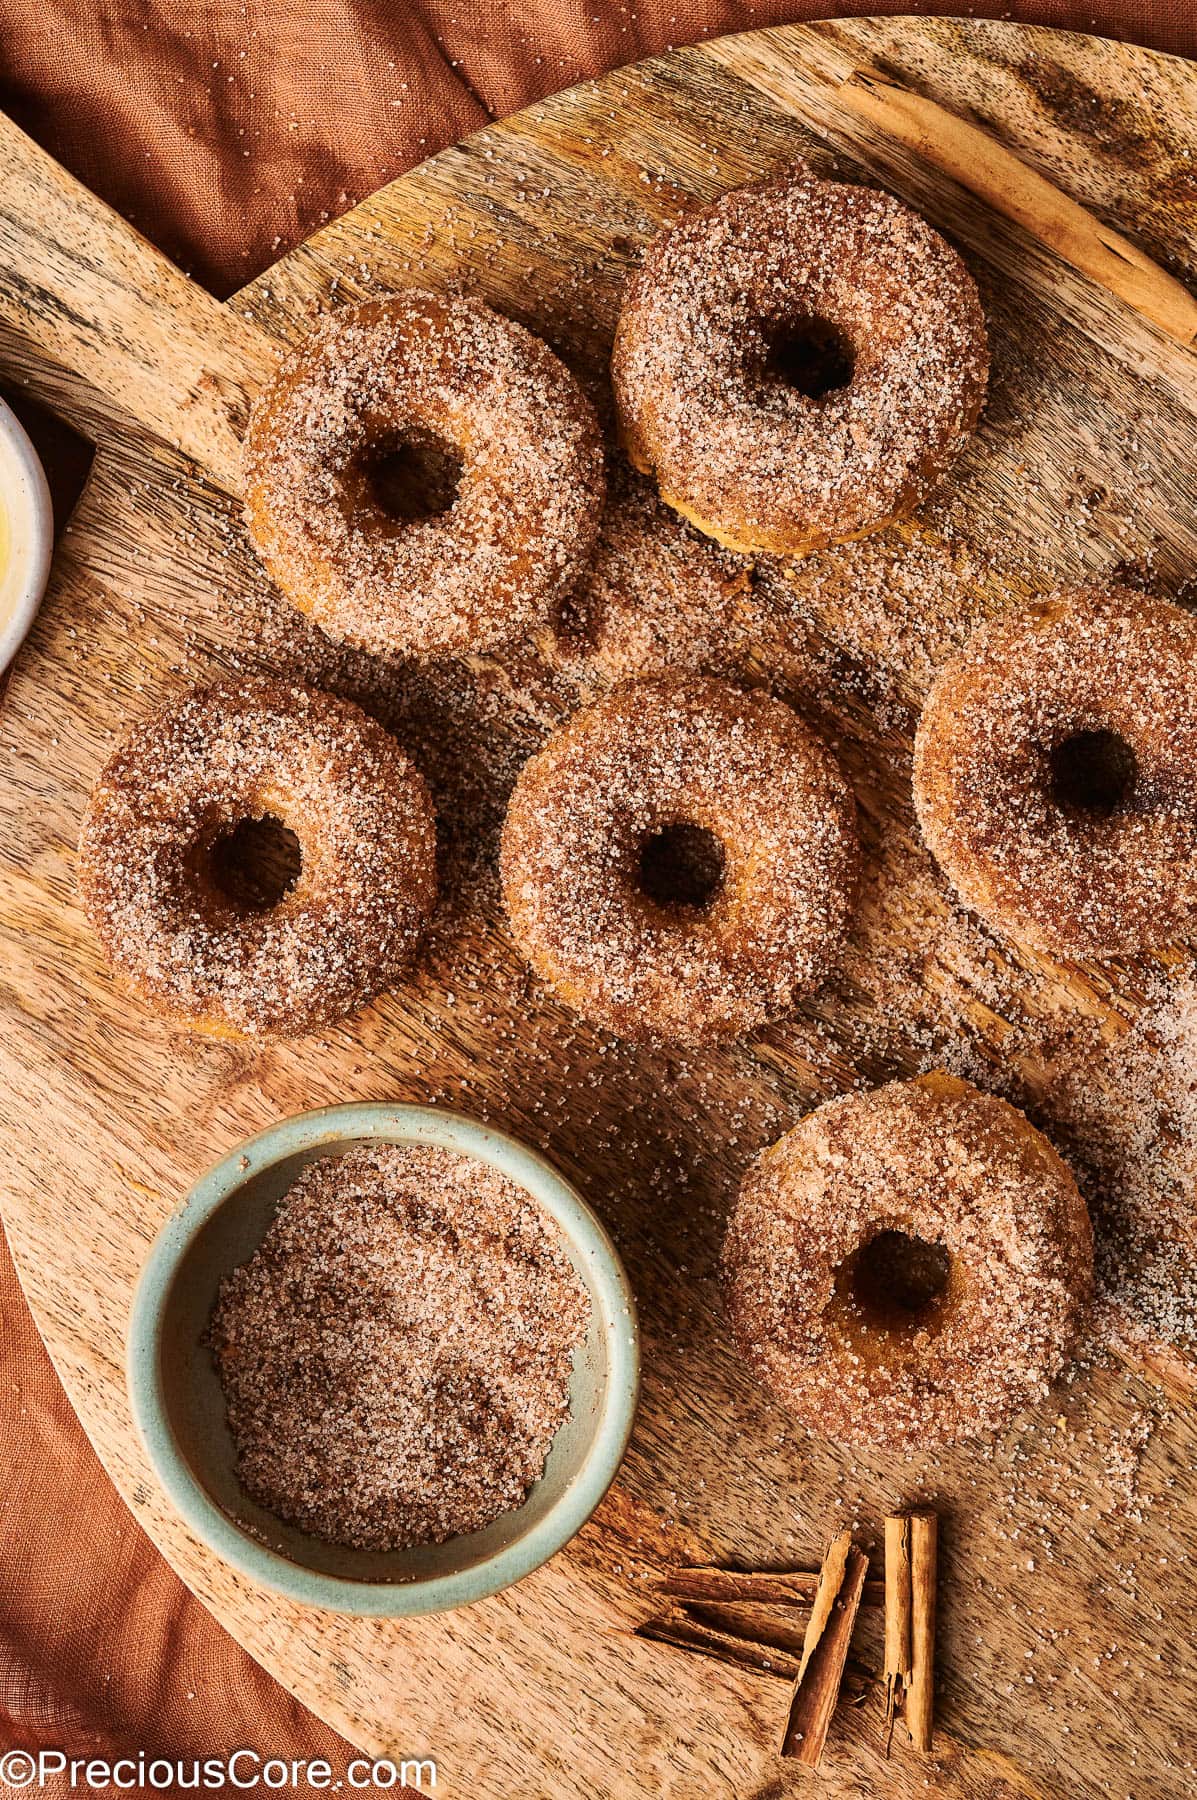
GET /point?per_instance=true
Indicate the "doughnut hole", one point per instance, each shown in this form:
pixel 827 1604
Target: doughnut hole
pixel 895 1285
pixel 681 867
pixel 810 355
pixel 412 476
pixel 255 864
pixel 1093 772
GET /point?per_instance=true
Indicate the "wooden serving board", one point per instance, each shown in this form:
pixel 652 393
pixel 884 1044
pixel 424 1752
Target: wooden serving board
pixel 1068 1611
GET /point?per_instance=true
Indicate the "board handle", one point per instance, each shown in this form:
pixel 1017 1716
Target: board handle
pixel 78 281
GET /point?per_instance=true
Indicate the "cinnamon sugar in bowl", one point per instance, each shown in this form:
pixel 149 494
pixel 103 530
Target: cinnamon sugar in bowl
pixel 326 1451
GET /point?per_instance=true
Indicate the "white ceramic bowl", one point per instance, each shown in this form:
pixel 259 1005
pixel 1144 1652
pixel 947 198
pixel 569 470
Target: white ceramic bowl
pixel 27 533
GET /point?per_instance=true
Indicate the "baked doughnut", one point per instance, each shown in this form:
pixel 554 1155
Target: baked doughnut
pixel 153 859
pixel 423 476
pixel 908 1267
pixel 1055 773
pixel 680 860
pixel 799 363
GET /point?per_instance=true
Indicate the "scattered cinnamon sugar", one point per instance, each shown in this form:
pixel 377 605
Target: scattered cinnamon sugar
pixel 1125 1112
pixel 894 606
pixel 656 596
pixel 396 1355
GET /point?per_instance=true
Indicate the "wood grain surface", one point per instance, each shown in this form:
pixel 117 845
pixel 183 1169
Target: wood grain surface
pixel 1067 1611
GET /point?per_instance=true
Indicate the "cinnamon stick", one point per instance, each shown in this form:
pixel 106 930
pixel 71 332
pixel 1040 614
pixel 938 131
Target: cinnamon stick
pixel 704 1582
pixel 681 1630
pixel 919 1704
pixel 825 1651
pixel 898 1603
pixel 985 167
pixel 686 1633
pixel 827 1591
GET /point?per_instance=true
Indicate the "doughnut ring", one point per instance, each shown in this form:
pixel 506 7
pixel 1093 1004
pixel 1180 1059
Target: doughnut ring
pixel 1055 773
pixel 423 477
pixel 170 801
pixel 908 1267
pixel 680 860
pixel 799 363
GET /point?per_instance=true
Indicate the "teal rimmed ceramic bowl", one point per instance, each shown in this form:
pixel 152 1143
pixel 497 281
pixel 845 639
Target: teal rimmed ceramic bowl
pixel 179 1408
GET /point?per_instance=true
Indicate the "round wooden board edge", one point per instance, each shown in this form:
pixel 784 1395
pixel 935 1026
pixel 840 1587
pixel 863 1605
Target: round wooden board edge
pixel 193 1563
pixel 322 241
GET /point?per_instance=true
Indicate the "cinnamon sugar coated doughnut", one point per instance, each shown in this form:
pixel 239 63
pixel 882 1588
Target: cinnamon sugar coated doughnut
pixel 159 824
pixel 799 363
pixel 908 1267
pixel 1055 773
pixel 423 476
pixel 680 860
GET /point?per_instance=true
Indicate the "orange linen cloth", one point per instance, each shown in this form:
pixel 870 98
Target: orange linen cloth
pixel 227 130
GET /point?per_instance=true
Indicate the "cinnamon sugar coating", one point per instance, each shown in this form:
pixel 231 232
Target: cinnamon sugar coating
pixel 396 1355
pixel 181 782
pixel 651 756
pixel 419 369
pixel 937 1161
pixel 706 403
pixel 1020 822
